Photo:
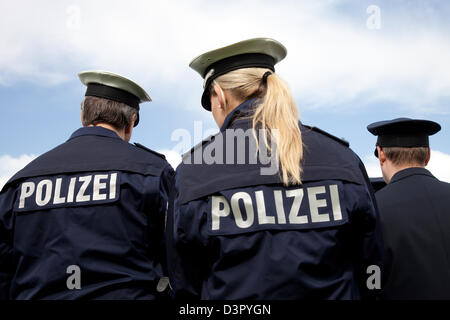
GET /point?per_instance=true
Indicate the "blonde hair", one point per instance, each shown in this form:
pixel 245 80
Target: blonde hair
pixel 277 111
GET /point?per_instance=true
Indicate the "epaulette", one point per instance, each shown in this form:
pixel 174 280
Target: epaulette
pixel 198 145
pixel 329 135
pixel 150 150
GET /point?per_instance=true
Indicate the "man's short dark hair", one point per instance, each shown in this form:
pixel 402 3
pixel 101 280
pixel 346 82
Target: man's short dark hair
pixel 99 110
pixel 406 156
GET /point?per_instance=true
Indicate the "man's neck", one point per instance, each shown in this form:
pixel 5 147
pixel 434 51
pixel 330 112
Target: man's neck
pixel 398 168
pixel 120 133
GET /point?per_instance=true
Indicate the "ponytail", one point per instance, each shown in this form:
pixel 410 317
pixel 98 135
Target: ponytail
pixel 277 111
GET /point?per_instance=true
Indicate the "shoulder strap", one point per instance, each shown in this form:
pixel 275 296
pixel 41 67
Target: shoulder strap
pixel 329 135
pixel 150 150
pixel 200 144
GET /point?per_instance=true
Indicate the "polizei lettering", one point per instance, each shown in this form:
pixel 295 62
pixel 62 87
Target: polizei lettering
pixel 50 192
pixel 276 208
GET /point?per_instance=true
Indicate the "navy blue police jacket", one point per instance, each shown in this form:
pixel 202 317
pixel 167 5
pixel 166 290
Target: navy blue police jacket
pixel 236 232
pixel 85 220
pixel 415 221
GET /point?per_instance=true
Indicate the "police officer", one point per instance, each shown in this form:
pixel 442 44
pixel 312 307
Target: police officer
pixel 268 208
pixel 414 212
pixel 86 219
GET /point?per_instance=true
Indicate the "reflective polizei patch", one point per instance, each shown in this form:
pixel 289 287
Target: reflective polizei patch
pixel 82 189
pixel 310 206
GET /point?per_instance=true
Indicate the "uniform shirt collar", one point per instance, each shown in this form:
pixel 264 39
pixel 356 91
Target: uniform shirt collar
pixel 244 107
pixel 94 131
pixel 402 174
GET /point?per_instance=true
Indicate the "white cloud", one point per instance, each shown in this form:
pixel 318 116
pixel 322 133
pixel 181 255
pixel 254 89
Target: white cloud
pixel 372 166
pixel 439 165
pixel 173 157
pixel 333 59
pixel 10 165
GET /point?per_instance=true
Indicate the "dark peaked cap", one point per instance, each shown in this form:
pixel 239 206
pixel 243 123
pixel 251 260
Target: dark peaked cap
pixel 257 53
pixel 403 132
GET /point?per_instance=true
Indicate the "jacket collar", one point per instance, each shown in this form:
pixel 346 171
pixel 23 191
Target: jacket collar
pixel 405 173
pixel 94 131
pixel 245 107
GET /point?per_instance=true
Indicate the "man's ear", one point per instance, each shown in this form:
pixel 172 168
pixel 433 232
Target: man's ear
pixel 129 129
pixel 428 156
pixel 381 155
pixel 82 117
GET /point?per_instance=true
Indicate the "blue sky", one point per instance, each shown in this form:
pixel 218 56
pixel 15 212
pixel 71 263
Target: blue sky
pixel 343 72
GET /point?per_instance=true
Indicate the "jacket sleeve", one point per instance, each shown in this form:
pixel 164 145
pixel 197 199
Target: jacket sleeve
pixel 187 244
pixel 369 250
pixel 166 186
pixel 7 198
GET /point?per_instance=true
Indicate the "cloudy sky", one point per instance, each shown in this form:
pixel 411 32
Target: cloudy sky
pixel 349 63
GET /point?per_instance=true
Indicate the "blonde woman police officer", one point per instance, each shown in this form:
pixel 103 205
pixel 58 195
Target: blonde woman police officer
pixel 240 229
